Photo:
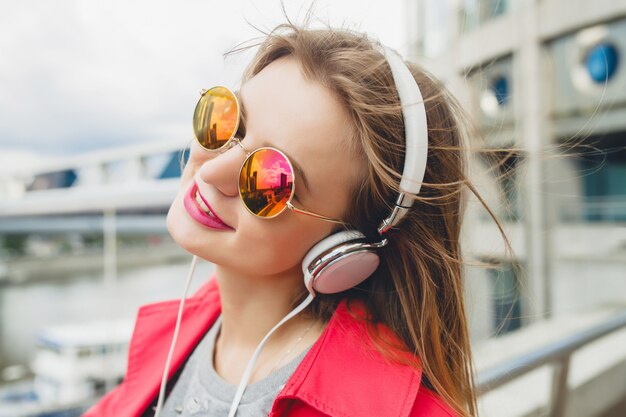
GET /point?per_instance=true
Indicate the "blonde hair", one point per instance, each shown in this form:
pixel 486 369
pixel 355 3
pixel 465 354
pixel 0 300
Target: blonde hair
pixel 417 291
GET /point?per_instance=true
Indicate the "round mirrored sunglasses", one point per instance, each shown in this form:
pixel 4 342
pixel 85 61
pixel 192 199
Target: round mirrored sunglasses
pixel 266 179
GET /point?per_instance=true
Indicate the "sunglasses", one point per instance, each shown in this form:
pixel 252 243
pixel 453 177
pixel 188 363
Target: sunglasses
pixel 267 180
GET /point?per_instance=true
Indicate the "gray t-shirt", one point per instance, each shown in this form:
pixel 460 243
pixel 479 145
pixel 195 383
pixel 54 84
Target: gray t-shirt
pixel 200 391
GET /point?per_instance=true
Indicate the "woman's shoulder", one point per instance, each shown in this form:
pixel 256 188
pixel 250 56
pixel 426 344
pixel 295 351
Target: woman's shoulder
pixel 425 402
pixel 345 373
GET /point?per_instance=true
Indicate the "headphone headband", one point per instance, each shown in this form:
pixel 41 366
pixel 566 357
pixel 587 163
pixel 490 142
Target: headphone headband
pixel 416 137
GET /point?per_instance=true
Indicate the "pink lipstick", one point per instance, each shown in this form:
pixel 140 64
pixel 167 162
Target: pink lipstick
pixel 200 210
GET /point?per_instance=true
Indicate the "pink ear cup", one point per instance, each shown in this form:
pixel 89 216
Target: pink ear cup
pixel 345 271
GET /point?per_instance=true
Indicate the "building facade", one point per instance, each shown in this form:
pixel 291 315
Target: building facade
pixel 545 83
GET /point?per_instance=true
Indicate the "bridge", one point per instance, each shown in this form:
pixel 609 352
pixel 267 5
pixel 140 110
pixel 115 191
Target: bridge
pixel 76 193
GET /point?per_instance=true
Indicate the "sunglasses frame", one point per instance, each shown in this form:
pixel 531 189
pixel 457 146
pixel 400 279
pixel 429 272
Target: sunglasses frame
pixel 228 144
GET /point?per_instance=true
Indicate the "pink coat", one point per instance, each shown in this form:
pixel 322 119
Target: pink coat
pixel 342 375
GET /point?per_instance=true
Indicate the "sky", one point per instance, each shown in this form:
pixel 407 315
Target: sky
pixel 82 75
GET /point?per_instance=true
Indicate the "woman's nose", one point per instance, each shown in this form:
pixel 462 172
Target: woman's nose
pixel 222 170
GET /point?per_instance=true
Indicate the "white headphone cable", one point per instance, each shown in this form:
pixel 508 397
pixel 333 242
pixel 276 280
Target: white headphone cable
pixel 250 367
pixel 171 352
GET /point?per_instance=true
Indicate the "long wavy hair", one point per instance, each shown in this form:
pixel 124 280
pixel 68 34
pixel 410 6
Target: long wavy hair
pixel 417 290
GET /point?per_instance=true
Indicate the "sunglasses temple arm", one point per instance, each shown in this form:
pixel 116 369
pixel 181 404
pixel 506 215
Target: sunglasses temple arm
pixel 319 216
pixel 236 139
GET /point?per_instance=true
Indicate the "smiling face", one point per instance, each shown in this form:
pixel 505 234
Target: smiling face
pixel 304 120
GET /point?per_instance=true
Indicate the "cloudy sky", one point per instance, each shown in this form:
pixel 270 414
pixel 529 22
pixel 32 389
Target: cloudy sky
pixel 81 75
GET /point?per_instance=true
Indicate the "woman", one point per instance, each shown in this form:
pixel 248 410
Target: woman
pixel 396 344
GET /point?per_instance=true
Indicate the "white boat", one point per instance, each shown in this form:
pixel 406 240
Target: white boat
pixel 75 364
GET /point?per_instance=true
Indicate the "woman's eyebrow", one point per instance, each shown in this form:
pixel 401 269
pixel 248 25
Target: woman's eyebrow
pixel 296 166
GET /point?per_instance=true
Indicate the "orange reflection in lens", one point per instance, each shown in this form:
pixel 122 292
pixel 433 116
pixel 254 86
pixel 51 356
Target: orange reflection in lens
pixel 215 118
pixel 266 182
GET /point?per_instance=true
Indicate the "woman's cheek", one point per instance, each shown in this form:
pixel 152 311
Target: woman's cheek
pixel 270 249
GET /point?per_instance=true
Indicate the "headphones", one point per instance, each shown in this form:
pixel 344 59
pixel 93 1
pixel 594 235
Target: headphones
pixel 344 259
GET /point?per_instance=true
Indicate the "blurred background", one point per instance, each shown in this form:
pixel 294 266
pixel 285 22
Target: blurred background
pixel 96 101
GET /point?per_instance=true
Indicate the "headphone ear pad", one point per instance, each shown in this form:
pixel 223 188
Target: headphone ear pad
pixel 346 271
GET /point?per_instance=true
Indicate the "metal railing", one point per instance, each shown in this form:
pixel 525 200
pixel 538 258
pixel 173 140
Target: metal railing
pixel 558 353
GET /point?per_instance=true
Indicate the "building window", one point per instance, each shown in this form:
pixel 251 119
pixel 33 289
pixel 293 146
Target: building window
pixel 506 301
pixel 500 87
pixel 509 184
pixel 601 62
pixel 475 13
pixel 495 96
pixel 175 165
pixel 51 180
pixel 503 165
pixel 602 165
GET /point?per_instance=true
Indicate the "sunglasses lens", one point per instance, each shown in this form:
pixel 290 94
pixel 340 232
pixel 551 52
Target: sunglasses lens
pixel 215 118
pixel 266 182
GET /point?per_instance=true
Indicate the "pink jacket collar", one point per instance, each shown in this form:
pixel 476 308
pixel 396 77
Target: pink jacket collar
pixel 344 375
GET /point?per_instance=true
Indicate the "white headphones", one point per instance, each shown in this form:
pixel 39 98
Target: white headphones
pixel 343 259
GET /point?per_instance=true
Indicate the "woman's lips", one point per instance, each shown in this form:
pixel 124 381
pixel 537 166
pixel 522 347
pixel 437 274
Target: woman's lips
pixel 197 213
